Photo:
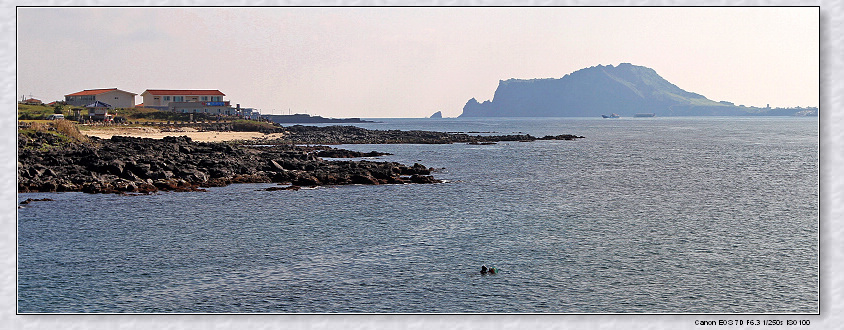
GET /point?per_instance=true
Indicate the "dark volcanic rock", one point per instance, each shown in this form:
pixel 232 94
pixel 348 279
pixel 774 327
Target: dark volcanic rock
pixel 127 165
pixel 311 135
pixel 294 188
pixel 130 165
pixel 30 200
pixel 423 179
pixel 342 153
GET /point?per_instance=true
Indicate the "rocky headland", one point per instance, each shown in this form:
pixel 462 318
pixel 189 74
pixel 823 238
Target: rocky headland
pixel 49 161
pixel 299 134
pixel 625 89
pixel 131 165
pixel 308 119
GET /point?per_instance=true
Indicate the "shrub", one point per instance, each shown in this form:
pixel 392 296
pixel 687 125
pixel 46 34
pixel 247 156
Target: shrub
pixel 39 126
pixel 69 129
pixel 253 126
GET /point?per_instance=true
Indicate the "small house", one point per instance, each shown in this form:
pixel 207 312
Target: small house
pixel 32 101
pixel 113 96
pixel 99 111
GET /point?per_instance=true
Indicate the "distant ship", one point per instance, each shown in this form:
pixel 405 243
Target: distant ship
pixel 644 115
pixel 614 115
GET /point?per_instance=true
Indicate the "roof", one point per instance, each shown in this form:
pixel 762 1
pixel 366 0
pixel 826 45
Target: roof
pixel 98 104
pixel 184 92
pixel 97 91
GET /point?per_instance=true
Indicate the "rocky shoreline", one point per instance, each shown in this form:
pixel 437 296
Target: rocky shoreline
pixel 129 165
pixel 299 134
pixel 48 162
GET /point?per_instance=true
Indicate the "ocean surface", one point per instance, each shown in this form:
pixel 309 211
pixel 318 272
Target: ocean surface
pixel 644 215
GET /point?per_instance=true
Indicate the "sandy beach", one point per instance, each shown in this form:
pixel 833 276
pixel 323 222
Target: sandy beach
pixel 156 133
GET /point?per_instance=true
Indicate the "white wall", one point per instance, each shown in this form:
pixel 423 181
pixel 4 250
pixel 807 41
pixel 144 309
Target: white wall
pixel 117 99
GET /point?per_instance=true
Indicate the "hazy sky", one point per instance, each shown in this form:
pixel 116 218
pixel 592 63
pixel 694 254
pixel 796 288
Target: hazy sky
pixel 411 62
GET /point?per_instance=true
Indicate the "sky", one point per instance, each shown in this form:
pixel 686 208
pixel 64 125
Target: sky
pixel 377 62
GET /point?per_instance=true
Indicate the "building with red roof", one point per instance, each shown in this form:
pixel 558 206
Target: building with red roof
pixel 188 101
pixel 113 96
pixel 32 101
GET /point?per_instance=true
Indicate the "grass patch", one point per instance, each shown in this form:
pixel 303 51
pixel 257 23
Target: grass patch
pixel 41 112
pixel 28 112
pixel 69 129
pixel 51 134
pixel 243 125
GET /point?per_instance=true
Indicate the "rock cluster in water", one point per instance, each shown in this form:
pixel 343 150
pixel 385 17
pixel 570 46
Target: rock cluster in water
pixel 141 165
pixel 299 134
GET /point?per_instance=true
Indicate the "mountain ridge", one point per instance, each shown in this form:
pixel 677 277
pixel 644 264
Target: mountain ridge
pixel 625 89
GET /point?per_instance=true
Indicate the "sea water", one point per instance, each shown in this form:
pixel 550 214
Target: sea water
pixel 643 215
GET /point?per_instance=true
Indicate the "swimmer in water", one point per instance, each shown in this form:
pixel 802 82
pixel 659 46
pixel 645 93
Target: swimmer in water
pixel 488 270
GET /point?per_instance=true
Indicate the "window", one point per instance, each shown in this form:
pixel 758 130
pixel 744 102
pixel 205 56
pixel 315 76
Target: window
pixel 205 98
pixel 216 98
pixel 178 98
pixel 166 98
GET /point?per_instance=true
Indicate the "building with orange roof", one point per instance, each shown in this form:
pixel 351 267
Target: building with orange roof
pixel 32 101
pixel 208 101
pixel 113 96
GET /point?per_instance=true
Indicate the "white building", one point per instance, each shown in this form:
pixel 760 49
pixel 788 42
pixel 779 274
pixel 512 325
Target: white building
pixel 112 96
pixel 250 113
pixel 188 101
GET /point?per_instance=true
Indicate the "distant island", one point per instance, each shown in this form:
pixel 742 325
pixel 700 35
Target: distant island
pixel 624 90
pixel 437 115
pixel 308 119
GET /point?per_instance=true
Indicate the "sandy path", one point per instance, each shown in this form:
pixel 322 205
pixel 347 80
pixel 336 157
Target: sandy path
pixel 155 133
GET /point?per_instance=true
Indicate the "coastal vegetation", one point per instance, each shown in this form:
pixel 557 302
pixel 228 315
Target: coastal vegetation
pixel 295 134
pixel 51 134
pixel 140 115
pixel 38 112
pixel 243 125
